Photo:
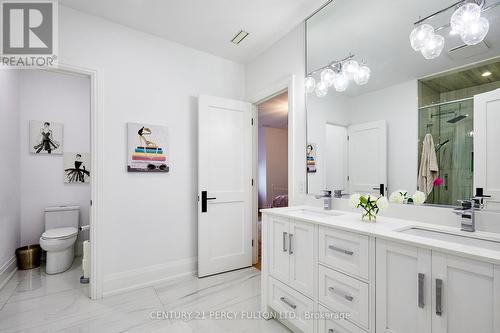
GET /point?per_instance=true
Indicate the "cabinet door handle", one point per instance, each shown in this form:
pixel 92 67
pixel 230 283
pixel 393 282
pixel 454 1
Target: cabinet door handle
pixel 421 279
pixel 290 237
pixel 341 294
pixel 284 241
pixel 338 249
pixel 287 302
pixel 331 330
pixel 439 297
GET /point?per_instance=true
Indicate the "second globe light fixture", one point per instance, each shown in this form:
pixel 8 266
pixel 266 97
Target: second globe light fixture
pixel 466 22
pixel 338 75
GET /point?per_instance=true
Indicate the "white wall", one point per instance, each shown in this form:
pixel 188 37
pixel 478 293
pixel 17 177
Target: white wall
pixel 283 59
pixel 9 168
pixel 61 98
pixel 142 78
pixel 276 160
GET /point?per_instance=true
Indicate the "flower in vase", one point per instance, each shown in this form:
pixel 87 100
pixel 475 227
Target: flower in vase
pixel 398 196
pixel 419 198
pixel 438 182
pixel 355 200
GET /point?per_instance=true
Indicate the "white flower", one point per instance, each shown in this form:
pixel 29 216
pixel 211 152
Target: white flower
pixel 419 198
pixel 398 196
pixel 382 203
pixel 354 202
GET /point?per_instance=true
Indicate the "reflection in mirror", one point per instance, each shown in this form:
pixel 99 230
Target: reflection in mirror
pixel 417 118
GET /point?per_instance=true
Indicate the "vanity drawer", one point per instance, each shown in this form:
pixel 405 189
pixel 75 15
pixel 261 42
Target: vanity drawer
pixel 343 293
pixel 346 251
pixel 284 299
pixel 328 323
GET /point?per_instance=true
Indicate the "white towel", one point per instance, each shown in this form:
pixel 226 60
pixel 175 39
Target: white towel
pixel 428 171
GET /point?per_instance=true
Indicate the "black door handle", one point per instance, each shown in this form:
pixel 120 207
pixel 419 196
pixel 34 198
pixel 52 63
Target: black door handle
pixel 204 199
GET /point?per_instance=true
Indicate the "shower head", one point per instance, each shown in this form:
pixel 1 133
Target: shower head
pixel 457 119
pixel 442 144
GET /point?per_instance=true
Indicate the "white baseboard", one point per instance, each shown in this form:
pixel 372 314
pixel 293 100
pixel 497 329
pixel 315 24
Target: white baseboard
pixel 147 276
pixel 7 271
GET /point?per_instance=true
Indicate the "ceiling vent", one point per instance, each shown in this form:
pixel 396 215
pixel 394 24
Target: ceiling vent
pixel 239 37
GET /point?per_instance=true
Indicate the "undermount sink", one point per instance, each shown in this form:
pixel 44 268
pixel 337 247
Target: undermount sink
pixel 455 238
pixel 315 213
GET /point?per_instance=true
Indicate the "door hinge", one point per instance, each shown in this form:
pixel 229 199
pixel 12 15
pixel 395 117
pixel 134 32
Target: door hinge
pixel 252 121
pixel 348 138
pixel 252 242
pixel 347 177
pixel 252 181
pixel 90 202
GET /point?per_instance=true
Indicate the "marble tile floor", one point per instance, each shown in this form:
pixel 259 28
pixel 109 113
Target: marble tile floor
pixel 33 301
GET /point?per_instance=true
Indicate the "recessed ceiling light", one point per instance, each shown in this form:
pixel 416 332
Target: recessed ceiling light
pixel 486 74
pixel 239 37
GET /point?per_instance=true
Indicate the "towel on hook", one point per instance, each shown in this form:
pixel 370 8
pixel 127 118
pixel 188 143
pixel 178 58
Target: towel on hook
pixel 428 170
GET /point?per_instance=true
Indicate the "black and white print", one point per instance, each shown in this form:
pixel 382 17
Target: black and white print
pixel 76 168
pixel 46 137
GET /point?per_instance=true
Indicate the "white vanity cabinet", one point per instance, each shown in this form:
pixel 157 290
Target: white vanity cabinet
pixel 291 257
pixel 465 294
pixel 425 291
pixel 385 284
pixel 403 288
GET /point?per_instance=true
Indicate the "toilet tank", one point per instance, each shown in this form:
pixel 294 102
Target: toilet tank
pixel 61 217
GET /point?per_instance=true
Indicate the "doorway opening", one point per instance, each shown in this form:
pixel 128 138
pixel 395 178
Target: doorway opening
pixel 272 158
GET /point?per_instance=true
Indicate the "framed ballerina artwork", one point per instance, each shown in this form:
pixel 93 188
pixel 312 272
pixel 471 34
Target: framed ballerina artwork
pixel 147 148
pixel 46 137
pixel 76 168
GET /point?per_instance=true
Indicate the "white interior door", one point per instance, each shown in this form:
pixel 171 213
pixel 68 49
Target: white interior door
pixel 224 185
pixel 367 157
pixel 486 141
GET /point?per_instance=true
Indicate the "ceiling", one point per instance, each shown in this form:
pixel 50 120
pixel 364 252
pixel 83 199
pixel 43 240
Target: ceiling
pixel 207 25
pixel 378 32
pixel 466 78
pixel 274 112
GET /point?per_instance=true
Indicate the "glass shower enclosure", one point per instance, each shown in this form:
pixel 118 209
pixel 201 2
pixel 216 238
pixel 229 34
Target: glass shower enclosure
pixel 451 126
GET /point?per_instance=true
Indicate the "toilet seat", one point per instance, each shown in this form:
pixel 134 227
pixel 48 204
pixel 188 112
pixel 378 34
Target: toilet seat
pixel 60 233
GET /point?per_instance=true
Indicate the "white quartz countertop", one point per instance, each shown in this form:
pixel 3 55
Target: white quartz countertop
pixel 389 228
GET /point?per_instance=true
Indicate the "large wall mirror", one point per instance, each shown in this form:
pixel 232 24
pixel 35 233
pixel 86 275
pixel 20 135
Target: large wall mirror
pixel 419 112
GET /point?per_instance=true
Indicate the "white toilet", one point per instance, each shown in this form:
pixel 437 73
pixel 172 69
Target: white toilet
pixel 61 230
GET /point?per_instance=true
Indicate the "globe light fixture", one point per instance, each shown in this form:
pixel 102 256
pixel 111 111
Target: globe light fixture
pixel 433 47
pixel 310 84
pixel 350 68
pixel 341 82
pixel 362 75
pixel 327 76
pixel 475 32
pixel 421 35
pixel 321 89
pixel 463 16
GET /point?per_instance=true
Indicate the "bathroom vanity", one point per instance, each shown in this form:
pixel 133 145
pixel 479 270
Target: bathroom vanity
pixel 392 276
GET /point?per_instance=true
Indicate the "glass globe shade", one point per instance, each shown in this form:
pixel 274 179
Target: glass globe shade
pixel 475 31
pixel 433 47
pixel 420 35
pixel 463 16
pixel 310 84
pixel 341 82
pixel 327 76
pixel 350 68
pixel 362 75
pixel 321 89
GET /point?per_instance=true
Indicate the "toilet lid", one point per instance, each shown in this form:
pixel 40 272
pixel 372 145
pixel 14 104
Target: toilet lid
pixel 60 233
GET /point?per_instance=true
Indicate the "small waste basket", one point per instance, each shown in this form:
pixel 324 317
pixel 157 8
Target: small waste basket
pixel 28 257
